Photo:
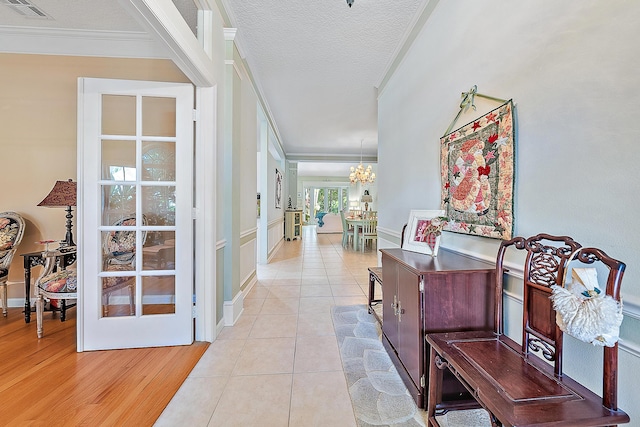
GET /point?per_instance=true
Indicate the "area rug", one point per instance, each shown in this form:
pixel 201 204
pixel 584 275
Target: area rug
pixel 378 395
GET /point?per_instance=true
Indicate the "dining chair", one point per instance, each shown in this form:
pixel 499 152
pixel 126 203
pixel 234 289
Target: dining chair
pixel 347 232
pixel 60 285
pixel 369 232
pixel 11 232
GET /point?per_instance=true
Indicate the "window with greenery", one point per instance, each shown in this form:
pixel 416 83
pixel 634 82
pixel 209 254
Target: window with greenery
pixel 334 201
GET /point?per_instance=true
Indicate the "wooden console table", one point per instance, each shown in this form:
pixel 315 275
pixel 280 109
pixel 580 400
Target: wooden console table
pixel 424 294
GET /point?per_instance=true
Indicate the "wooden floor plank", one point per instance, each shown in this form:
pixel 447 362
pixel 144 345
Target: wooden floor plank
pixel 39 378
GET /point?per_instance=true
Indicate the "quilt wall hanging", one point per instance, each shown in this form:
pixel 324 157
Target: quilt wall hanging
pixel 477 169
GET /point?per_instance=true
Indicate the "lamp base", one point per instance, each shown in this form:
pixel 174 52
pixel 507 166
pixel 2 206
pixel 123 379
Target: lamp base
pixel 68 240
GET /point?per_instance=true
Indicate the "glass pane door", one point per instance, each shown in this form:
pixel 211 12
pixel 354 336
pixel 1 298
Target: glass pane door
pixel 141 295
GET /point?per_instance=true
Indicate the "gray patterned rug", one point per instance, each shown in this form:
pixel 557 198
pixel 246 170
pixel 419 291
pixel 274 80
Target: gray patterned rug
pixel 378 395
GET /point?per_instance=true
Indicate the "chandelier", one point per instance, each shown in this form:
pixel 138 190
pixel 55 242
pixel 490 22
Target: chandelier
pixel 350 2
pixel 360 174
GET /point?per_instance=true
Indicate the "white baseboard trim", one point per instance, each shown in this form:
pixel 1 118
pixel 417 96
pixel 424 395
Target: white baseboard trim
pixel 16 302
pixel 233 309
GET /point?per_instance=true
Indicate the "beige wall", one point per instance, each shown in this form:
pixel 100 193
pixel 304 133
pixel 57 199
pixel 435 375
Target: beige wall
pixel 38 134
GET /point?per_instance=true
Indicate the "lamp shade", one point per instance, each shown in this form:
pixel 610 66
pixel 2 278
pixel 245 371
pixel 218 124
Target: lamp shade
pixel 62 194
pixel 367 198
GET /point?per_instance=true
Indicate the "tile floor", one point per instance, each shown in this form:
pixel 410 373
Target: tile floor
pixel 279 365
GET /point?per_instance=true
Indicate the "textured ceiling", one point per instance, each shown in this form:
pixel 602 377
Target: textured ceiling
pixel 316 62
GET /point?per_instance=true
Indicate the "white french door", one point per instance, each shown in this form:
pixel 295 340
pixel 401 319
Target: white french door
pixel 135 198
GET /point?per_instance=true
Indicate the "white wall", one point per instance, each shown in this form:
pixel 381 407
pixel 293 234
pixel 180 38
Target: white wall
pixel 571 68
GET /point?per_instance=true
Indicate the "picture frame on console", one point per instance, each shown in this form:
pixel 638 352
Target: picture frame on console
pixel 423 232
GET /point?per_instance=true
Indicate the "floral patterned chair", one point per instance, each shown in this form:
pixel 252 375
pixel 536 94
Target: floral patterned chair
pixel 60 285
pixel 119 255
pixel 11 232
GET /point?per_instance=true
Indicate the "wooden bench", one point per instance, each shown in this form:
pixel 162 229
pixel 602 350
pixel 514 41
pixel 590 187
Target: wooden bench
pixel 523 384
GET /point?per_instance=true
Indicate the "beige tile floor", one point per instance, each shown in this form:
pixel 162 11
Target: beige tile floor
pixel 279 365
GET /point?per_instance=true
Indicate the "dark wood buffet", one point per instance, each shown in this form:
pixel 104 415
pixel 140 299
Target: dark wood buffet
pixel 424 294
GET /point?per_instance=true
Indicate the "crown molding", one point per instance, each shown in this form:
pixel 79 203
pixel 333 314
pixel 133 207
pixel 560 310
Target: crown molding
pixel 54 41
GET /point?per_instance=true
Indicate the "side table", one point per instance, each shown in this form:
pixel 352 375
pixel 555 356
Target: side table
pixel 33 259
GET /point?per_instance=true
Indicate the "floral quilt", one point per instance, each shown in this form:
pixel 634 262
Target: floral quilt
pixel 477 169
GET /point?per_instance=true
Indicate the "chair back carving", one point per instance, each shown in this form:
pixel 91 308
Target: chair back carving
pixel 545 265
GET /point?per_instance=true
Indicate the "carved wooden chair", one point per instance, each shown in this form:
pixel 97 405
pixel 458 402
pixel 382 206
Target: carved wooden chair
pixel 119 255
pixel 60 285
pixel 523 383
pixel 11 232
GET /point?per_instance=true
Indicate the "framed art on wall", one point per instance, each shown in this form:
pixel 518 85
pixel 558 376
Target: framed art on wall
pixel 278 196
pixel 423 231
pixel 477 169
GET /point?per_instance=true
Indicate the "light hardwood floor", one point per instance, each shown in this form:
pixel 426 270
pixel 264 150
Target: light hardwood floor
pixel 46 382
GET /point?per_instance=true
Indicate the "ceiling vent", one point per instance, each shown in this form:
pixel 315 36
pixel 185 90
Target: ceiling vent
pixel 26 9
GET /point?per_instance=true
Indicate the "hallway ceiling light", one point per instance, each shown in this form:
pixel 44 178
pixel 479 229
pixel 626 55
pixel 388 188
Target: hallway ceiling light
pixel 359 173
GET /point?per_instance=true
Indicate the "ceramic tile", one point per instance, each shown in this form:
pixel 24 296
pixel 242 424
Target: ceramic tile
pixel 346 290
pixel 266 356
pixel 315 304
pixel 252 306
pixel 274 325
pixel 284 292
pixel 317 354
pixel 194 403
pixel 219 359
pixel 324 404
pixel 315 324
pixel 258 291
pixel 350 300
pixel 280 306
pixel 315 291
pixel 260 400
pixel 240 330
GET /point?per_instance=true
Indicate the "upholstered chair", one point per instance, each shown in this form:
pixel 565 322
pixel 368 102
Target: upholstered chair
pixel 11 232
pixel 119 255
pixel 60 285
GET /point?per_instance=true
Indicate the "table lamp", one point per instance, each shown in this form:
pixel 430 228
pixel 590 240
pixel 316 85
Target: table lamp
pixel 62 195
pixel 366 198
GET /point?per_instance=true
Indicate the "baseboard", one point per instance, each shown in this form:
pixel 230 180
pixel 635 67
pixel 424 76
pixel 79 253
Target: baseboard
pixel 233 309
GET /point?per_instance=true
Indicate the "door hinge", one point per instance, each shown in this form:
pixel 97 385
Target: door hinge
pixel 423 381
pixel 194 312
pixel 195 115
pixel 422 284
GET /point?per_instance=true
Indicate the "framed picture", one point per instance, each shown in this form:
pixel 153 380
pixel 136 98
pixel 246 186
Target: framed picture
pixel 278 197
pixel 423 231
pixel 477 169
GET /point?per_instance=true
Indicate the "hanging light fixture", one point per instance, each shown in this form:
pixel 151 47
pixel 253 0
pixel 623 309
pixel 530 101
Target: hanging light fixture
pixel 360 174
pixel 350 2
